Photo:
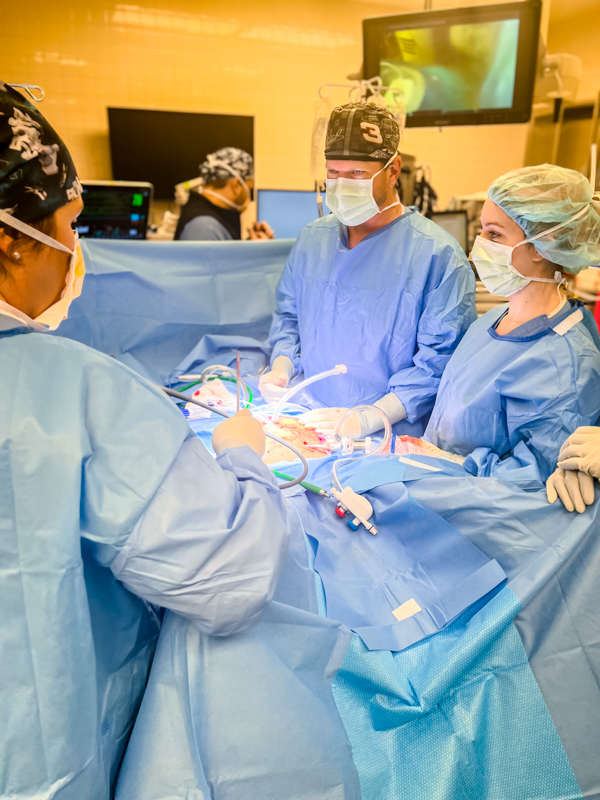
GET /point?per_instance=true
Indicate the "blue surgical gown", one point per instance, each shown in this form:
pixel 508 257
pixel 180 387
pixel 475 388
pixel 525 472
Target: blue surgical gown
pixel 392 309
pixel 509 402
pixel 103 486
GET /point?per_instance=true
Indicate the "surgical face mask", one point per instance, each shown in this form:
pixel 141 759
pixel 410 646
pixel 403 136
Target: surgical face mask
pixel 237 206
pixel 57 312
pixel 352 201
pixel 493 262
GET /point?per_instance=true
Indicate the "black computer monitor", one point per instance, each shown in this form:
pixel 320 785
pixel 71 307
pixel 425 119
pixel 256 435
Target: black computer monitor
pixel 288 211
pixel 458 66
pixel 167 147
pixel 114 210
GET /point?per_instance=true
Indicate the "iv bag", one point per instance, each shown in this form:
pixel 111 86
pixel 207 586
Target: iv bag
pixel 323 111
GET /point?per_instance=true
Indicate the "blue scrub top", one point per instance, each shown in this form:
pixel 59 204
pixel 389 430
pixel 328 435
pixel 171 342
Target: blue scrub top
pixel 105 494
pixel 509 402
pixel 392 309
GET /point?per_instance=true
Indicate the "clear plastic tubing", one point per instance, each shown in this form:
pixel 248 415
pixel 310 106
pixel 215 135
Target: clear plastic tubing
pixel 387 435
pixel 337 370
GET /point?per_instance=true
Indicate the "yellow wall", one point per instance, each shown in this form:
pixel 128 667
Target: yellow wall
pixel 265 58
pixel 578 33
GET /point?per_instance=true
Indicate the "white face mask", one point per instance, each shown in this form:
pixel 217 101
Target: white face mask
pixel 352 201
pixel 493 262
pixel 51 318
pixel 237 206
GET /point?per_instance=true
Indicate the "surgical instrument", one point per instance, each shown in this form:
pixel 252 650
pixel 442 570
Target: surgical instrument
pixel 186 399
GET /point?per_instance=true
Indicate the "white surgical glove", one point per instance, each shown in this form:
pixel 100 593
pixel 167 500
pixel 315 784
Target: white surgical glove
pixel 359 424
pixel 274 384
pixel 239 430
pixel 582 451
pixel 324 420
pixel 574 488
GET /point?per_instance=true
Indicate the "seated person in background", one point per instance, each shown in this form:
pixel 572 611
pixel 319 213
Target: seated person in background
pixel 213 213
pixel 578 465
pixel 374 286
pixel 526 374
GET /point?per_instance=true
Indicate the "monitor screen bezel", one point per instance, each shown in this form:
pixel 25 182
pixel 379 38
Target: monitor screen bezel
pixel 529 14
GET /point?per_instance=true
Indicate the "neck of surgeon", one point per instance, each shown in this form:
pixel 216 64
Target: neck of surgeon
pixel 536 299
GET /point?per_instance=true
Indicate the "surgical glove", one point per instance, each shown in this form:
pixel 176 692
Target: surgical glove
pixel 324 420
pixel 359 424
pixel 274 384
pixel 582 451
pixel 574 488
pixel 239 430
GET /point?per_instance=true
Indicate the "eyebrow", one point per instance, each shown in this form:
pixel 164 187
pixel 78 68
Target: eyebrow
pixel 497 224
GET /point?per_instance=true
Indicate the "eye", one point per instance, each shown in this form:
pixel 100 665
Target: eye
pixel 491 234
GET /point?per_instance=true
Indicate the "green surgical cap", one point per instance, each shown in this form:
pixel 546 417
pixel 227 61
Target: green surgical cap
pixel 538 198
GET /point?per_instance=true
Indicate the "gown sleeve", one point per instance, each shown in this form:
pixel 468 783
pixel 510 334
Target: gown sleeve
pixel 200 536
pixel 211 542
pixel 285 335
pixel 448 310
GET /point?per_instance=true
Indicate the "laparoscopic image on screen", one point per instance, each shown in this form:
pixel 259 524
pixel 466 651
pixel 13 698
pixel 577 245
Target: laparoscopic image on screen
pixel 453 67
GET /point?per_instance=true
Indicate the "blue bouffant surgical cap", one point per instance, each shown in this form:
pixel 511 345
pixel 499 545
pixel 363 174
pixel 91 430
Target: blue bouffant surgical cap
pixel 538 198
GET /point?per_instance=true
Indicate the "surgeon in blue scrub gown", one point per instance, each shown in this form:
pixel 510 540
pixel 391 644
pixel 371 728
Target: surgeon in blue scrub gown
pixel 526 374
pixel 374 286
pixel 108 502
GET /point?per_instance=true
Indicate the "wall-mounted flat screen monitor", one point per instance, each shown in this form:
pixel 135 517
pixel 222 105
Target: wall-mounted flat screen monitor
pixel 458 66
pixel 166 147
pixel 287 211
pixel 114 210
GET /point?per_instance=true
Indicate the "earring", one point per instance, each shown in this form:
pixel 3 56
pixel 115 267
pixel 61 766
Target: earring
pixel 17 256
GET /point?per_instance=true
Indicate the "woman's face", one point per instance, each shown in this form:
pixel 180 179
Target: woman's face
pixel 37 280
pixel 65 219
pixel 497 226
